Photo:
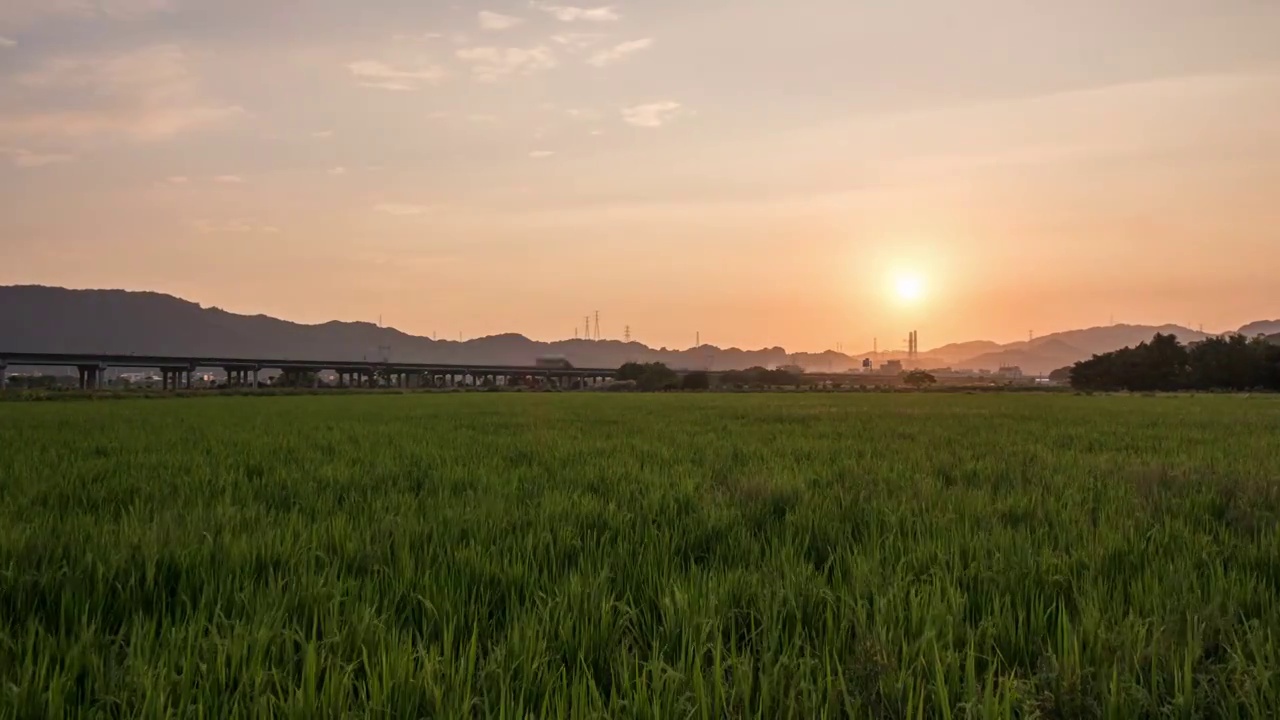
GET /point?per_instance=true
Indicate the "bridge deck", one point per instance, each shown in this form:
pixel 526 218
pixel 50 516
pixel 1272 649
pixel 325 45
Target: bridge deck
pixel 164 362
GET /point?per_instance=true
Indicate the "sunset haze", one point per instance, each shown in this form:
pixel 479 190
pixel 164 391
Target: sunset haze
pixel 803 174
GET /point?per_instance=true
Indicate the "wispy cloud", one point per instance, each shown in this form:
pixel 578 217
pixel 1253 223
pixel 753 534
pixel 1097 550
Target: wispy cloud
pixel 541 154
pixel 234 226
pixel 497 21
pixel 652 115
pixel 402 209
pixel 177 179
pixel 569 13
pixel 338 170
pixel 7 42
pixel 229 179
pixel 620 52
pixel 488 64
pixel 147 94
pixel 577 42
pixel 420 37
pixel 375 74
pixel 23 158
pixel 25 13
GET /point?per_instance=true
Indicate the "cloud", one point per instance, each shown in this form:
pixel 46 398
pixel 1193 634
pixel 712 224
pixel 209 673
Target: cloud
pixel 567 13
pixel 652 115
pixel 619 52
pixel 178 180
pixel 26 13
pixel 585 114
pixel 577 42
pixel 229 179
pixel 497 21
pixel 338 170
pixel 234 226
pixel 23 158
pixel 375 74
pixel 541 154
pixel 322 134
pixel 402 209
pixel 419 37
pixel 147 94
pixel 488 64
pixel 7 42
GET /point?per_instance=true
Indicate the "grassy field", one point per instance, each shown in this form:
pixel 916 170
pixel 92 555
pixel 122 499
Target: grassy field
pixel 706 556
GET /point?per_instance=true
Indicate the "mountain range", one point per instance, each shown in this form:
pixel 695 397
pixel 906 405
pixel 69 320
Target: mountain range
pixel 59 320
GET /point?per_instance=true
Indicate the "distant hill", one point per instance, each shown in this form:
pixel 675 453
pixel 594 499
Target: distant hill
pixel 57 320
pixel 1045 354
pixel 47 319
pixel 1262 327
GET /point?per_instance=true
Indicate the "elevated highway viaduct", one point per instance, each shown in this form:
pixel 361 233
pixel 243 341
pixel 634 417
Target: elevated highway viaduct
pixel 177 371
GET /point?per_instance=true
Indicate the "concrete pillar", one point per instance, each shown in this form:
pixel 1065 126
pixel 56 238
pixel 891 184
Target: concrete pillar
pixel 4 377
pixel 255 378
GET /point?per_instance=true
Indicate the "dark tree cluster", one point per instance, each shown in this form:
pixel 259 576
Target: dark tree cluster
pixel 759 377
pixel 649 377
pixel 1220 363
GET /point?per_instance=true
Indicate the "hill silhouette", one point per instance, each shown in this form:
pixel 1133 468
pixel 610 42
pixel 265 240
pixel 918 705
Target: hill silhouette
pixel 58 320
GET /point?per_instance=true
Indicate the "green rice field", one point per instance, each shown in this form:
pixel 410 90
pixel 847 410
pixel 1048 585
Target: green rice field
pixel 641 556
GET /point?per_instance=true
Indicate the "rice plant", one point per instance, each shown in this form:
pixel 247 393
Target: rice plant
pixel 708 556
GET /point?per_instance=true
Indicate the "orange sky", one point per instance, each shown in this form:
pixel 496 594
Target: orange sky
pixel 758 171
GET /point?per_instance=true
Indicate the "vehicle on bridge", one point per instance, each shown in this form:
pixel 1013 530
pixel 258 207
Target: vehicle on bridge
pixel 553 362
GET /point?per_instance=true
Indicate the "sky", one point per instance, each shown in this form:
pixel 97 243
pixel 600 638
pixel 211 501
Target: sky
pixel 760 172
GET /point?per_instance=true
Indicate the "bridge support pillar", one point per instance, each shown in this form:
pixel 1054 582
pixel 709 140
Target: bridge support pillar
pixel 4 377
pixel 90 377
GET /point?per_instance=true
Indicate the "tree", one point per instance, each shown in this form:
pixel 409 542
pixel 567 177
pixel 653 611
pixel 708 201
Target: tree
pixel 649 377
pixel 1217 363
pixel 919 379
pixel 696 381
pixel 658 377
pixel 1061 375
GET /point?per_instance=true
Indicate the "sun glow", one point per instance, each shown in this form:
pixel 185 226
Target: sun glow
pixel 908 288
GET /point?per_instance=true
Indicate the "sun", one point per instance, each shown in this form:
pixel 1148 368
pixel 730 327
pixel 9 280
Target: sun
pixel 909 288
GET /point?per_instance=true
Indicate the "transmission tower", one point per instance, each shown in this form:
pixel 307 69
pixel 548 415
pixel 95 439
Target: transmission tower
pixel 597 324
pixel 626 333
pixel 586 327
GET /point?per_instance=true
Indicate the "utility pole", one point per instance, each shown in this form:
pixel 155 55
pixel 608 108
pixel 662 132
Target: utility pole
pixel 697 339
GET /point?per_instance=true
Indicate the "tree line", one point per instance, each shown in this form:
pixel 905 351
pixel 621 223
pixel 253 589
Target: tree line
pixel 1232 362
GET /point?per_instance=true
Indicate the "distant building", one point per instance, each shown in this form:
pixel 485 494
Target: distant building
pixel 1010 371
pixel 891 367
